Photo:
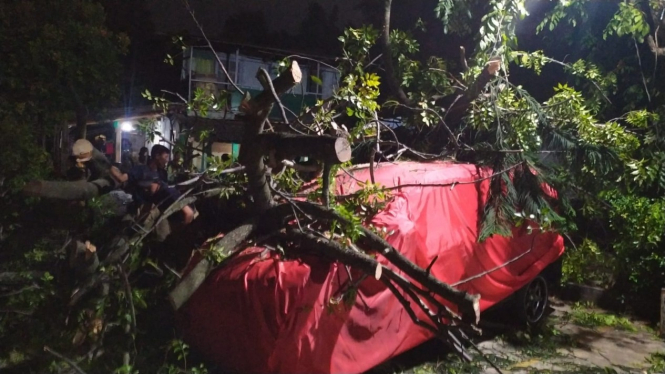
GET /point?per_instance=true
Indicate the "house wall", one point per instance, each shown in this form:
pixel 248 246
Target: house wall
pixel 133 141
pixel 202 70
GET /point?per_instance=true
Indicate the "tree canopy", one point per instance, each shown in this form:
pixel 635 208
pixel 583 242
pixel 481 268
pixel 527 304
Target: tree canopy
pixel 61 61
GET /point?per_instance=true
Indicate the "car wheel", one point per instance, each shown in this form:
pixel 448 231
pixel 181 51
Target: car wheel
pixel 532 301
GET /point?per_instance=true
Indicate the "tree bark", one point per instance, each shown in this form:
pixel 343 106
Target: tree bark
pixel 81 123
pixel 77 190
pixel 393 84
pixel 193 280
pixel 225 130
pixel 328 149
pixel 458 104
pixel 257 111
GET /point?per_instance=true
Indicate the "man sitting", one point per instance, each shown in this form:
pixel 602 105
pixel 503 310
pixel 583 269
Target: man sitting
pixel 147 184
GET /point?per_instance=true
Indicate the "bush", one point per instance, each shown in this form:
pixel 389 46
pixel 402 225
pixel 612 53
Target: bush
pixel 587 264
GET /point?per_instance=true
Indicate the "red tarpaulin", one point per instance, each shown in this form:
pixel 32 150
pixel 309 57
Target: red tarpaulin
pixel 260 314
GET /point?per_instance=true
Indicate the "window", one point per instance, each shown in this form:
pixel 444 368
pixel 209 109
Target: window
pixel 229 61
pixel 313 79
pixel 203 67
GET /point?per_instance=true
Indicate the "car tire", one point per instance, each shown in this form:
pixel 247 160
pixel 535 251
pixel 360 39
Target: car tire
pixel 531 302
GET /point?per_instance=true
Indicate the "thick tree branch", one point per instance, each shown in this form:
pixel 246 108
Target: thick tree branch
pixel 325 190
pixel 655 49
pixel 327 149
pixel 193 280
pixel 76 190
pixel 335 251
pixel 69 362
pixel 257 111
pixel 468 304
pixel 121 244
pixel 458 105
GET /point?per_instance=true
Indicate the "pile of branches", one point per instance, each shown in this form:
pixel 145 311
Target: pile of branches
pixel 418 291
pixel 302 228
pixel 436 306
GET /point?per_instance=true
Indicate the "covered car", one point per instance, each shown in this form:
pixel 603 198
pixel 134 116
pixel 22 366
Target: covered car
pixel 260 313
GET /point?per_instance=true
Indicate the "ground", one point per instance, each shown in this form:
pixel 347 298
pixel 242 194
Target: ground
pixel 576 339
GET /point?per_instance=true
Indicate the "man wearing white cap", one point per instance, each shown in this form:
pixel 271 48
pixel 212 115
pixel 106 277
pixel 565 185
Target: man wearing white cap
pixel 94 163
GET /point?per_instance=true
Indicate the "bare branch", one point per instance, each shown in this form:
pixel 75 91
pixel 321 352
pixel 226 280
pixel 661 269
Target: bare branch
pixel 71 363
pixel 325 191
pixel 450 184
pixel 484 273
pixel 130 297
pixel 266 82
pixel 219 61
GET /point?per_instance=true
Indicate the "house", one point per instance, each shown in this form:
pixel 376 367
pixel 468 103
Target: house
pixel 202 71
pixel 119 134
pixel 124 129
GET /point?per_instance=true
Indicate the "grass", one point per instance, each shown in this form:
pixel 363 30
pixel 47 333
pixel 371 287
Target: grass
pixel 656 363
pixel 582 315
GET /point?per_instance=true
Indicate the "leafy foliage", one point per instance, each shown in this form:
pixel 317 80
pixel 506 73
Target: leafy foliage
pixel 64 60
pixel 627 21
pixel 583 316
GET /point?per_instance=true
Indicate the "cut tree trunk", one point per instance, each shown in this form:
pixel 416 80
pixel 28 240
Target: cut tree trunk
pixel 83 258
pixel 193 280
pixel 328 149
pixel 78 190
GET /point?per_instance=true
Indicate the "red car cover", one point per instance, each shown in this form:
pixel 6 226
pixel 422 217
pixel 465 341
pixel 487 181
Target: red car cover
pixel 263 314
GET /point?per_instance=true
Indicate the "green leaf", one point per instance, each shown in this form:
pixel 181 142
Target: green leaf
pixel 316 80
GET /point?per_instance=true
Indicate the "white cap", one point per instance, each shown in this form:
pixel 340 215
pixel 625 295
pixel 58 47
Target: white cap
pixel 82 150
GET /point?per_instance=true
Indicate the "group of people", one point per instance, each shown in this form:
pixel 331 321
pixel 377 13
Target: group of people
pixel 147 183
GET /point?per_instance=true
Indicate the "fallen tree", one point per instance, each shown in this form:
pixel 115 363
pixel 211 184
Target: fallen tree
pixel 473 114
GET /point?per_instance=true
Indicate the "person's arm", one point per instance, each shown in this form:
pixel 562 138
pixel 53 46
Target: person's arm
pixel 119 176
pixel 188 213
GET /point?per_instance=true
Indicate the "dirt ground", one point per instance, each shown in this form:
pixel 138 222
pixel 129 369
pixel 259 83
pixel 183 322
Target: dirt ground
pixel 576 339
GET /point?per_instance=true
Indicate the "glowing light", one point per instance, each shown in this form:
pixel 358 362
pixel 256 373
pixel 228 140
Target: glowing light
pixel 126 126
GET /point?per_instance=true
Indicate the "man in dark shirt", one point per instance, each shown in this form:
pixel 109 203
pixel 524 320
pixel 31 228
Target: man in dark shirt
pixel 146 185
pixel 159 159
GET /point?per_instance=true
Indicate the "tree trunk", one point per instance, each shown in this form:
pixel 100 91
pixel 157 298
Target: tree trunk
pixel 257 111
pixel 77 190
pixel 393 84
pixel 328 149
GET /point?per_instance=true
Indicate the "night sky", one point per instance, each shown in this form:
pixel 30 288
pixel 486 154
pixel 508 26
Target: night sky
pixel 170 16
